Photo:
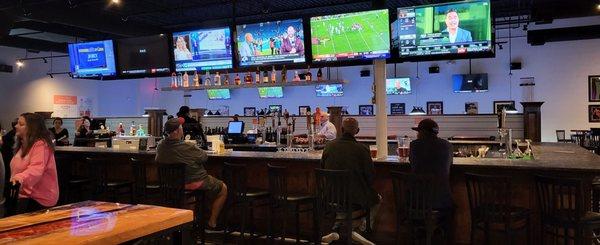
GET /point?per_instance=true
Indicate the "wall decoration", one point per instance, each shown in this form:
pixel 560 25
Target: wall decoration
pixel 499 104
pixel 594 88
pixel 471 108
pixel 435 108
pixel 365 110
pixel 594 113
pixel 249 111
pixel 397 109
pixel 65 106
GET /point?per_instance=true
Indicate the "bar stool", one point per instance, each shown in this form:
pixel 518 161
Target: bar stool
pixel 490 204
pixel 141 187
pixel 282 200
pixel 331 198
pixel 239 196
pixel 12 199
pixel 172 187
pixel 414 199
pixel 103 185
pixel 561 137
pixel 562 207
pixel 70 185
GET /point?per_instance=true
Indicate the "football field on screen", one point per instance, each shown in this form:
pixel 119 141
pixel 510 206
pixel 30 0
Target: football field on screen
pixel 350 34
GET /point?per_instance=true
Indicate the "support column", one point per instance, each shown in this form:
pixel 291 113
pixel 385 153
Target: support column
pixel 381 133
pixel 155 121
pixel 335 117
pixel 532 120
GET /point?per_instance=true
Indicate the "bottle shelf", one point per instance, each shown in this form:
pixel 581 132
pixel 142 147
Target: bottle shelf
pixel 255 85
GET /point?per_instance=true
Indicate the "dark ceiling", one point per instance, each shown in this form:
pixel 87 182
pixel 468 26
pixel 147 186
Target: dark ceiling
pixel 48 24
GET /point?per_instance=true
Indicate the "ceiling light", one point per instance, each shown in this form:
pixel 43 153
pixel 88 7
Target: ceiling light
pixel 417 110
pixel 598 6
pixel 115 1
pixel 20 63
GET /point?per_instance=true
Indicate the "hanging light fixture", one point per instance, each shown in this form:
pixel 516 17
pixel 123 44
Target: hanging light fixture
pixel 511 109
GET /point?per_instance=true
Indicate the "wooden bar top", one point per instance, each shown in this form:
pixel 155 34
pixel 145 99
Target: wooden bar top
pixel 90 222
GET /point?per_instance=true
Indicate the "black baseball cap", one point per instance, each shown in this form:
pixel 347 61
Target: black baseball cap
pixel 427 125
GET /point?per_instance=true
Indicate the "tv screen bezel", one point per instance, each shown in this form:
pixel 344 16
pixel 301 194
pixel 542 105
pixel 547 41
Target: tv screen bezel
pixel 330 95
pixel 169 38
pixel 172 54
pixel 95 76
pixel 471 91
pixel 258 90
pixel 409 81
pixel 208 95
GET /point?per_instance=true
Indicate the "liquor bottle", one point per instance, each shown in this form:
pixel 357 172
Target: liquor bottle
pixel 296 77
pixel 257 75
pixel 283 74
pixel 217 80
pixel 132 129
pixel 237 79
pixel 121 129
pixel 196 79
pixel 273 75
pixel 319 75
pixel 207 79
pixel 140 131
pixel 248 78
pixel 173 80
pixel 186 80
pixel 226 82
pixel 308 77
pixel 265 76
pixel 179 80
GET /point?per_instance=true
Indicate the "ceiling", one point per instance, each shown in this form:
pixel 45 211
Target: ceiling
pixel 49 24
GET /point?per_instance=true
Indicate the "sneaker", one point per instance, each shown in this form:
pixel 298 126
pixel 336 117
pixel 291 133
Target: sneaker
pixel 213 230
pixel 360 239
pixel 334 236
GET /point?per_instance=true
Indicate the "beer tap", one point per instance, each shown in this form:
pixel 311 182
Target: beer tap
pixel 504 133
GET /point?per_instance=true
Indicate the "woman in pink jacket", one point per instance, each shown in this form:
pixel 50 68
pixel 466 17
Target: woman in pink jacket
pixel 33 164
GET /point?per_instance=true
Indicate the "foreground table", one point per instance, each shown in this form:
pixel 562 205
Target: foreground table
pixel 92 222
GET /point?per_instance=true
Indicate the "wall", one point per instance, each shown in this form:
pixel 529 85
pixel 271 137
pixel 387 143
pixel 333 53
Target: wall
pixel 560 71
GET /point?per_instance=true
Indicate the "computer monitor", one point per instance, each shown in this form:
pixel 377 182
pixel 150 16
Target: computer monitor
pixel 97 122
pixel 235 127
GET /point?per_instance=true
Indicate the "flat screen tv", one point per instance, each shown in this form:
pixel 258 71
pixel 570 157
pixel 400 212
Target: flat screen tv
pixel 271 42
pixel 204 49
pixel 270 92
pixel 329 90
pixel 457 29
pixel 470 83
pixel 144 56
pixel 218 94
pixel 92 59
pixel 350 36
pixel 394 86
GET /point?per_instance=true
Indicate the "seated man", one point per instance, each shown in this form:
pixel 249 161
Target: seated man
pixel 174 150
pixel 345 153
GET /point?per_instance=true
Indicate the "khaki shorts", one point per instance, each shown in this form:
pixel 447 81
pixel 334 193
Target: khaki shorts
pixel 211 185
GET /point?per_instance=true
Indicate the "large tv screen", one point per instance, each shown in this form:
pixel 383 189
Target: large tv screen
pixel 470 83
pixel 329 90
pixel 350 36
pixel 458 28
pixel 218 94
pixel 92 59
pixel 270 92
pixel 394 86
pixel 142 56
pixel 271 43
pixel 204 49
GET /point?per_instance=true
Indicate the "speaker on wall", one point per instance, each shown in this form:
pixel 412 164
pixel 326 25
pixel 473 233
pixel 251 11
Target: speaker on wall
pixel 434 69
pixel 365 73
pixel 6 68
pixel 515 65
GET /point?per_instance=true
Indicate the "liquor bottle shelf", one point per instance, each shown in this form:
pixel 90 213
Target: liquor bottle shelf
pixel 254 85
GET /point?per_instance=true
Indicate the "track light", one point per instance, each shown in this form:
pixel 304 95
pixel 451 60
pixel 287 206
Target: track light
pixel 20 63
pixel 50 75
pixel 115 1
pixel 417 110
pixel 525 27
pixel 45 60
pixel 500 46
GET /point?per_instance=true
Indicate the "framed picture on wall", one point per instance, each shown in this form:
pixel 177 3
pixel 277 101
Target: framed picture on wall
pixel 397 109
pixel 500 104
pixel 303 109
pixel 594 88
pixel 594 113
pixel 365 110
pixel 435 108
pixel 249 111
pixel 471 108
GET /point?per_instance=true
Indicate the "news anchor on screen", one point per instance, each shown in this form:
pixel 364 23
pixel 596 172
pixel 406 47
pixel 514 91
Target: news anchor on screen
pixel 455 33
pixel 181 50
pixel 248 49
pixel 292 44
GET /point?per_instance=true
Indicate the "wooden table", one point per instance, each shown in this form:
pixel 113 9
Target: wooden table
pixel 92 222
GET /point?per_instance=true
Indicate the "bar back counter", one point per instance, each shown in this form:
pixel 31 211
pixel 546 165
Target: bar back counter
pixel 562 159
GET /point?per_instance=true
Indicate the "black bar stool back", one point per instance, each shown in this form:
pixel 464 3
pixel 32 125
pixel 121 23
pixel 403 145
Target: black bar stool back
pixel 106 188
pixel 72 187
pixel 172 184
pixel 12 199
pixel 142 189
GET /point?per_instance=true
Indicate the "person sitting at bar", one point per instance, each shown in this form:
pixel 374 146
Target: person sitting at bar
pixel 191 126
pixel 174 150
pixel 430 154
pixel 6 148
pixel 33 165
pixel 327 130
pixel 345 153
pixel 83 132
pixel 61 135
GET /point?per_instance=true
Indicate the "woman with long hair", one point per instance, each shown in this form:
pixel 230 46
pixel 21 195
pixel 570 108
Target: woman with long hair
pixel 61 135
pixel 33 165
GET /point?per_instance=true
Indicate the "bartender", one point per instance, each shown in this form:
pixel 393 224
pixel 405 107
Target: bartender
pixel 191 126
pixel 83 132
pixel 327 131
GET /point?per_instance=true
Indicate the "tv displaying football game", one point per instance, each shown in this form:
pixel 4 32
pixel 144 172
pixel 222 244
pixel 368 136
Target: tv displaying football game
pixel 350 36
pixel 271 43
pixel 458 28
pixel 470 83
pixel 394 86
pixel 218 94
pixel 204 49
pixel 92 59
pixel 270 92
pixel 144 56
pixel 329 90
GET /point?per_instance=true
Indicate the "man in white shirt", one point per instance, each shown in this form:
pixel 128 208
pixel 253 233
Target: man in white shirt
pixel 328 130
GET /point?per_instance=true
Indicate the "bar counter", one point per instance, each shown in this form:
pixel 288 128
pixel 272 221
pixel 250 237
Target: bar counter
pixel 550 158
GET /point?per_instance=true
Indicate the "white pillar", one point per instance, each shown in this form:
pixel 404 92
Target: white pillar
pixel 381 133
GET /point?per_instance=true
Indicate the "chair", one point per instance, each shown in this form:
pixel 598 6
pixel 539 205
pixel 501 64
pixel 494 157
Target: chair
pixel 70 185
pixel 12 199
pixel 490 203
pixel 172 187
pixel 414 199
pixel 108 189
pixel 240 196
pixel 561 137
pixel 141 187
pixel 331 198
pixel 282 200
pixel 562 207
